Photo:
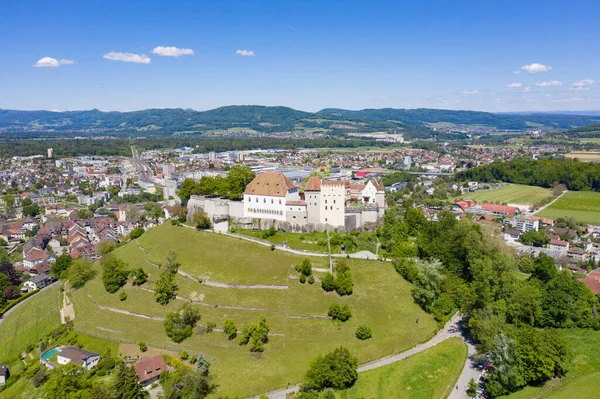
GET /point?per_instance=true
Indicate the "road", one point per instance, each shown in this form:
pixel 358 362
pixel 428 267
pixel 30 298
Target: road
pixel 451 329
pixel 550 203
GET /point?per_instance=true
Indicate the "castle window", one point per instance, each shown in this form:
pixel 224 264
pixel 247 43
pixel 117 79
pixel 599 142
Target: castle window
pixel 271 200
pixel 325 201
pixel 264 200
pixel 279 202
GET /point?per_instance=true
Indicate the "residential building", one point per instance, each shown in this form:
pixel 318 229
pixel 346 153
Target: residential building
pixel 148 369
pixel 576 253
pixel 78 356
pixel 559 245
pixel 36 282
pixel 4 374
pixel 265 197
pixel 512 235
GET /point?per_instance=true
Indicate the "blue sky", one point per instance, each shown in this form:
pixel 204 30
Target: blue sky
pixel 304 54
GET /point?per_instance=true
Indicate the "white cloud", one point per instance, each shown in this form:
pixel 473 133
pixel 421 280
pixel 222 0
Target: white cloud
pixel 245 53
pixel 62 61
pixel 549 83
pixel 580 88
pixel 172 51
pixel 570 100
pixel 470 92
pixel 128 57
pixel 49 62
pixel 527 89
pixel 583 83
pixel 516 72
pixel 535 68
pixel 514 85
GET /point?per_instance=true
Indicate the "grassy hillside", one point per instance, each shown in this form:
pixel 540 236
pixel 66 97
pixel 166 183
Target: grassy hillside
pixel 28 322
pixel 513 194
pixel 297 314
pixel 583 379
pixel 428 375
pixel 584 206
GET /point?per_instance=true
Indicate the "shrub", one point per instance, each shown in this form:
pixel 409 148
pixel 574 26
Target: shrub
pixel 272 247
pixel 343 279
pixel 363 332
pixel 257 335
pixel 122 295
pixel 136 233
pixel 328 393
pixel 337 370
pixel 337 312
pixel 407 269
pixel 210 326
pixel 311 279
pixel 184 355
pixel 138 276
pixel 143 346
pixel 230 329
pixel 180 325
pixel 305 268
pixel 114 274
pixel 302 279
pixel 328 283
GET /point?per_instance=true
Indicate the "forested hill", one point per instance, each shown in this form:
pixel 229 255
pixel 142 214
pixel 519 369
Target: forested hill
pixel 159 122
pixel 425 116
pixel 573 174
pixel 584 131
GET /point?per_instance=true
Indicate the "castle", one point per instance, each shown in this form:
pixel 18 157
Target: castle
pixel 272 199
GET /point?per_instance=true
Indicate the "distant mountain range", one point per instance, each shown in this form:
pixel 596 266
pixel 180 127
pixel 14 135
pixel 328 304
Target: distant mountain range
pixel 251 119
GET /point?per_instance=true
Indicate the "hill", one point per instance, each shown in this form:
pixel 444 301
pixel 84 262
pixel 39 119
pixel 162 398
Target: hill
pixel 297 314
pixel 426 116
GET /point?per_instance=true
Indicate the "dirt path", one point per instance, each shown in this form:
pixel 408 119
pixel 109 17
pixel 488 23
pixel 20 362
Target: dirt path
pixel 551 202
pixel 67 309
pixel 451 329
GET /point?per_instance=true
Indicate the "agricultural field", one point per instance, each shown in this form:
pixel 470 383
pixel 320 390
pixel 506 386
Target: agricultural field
pixel 586 156
pixel 590 140
pixel 583 378
pixel 29 322
pixel 297 314
pixel 584 206
pixel 513 194
pixel 429 374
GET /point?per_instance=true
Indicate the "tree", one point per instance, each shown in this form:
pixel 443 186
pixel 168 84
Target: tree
pixel 201 220
pixel 544 268
pixel 138 276
pixel 343 279
pixel 230 329
pixel 4 282
pixel 337 370
pixel 3 256
pixel 31 210
pixel 11 292
pixel 62 264
pixel 337 312
pixel 180 325
pixel 256 334
pixel 166 288
pixel 414 219
pixel 179 212
pixel 305 268
pixel 188 188
pixel 114 274
pixel 80 272
pixel 125 383
pixel 105 247
pixel 535 238
pixel 85 214
pixel 9 200
pixel 328 282
pixel 142 345
pixel 472 388
pixel 237 179
pixel 136 233
pixel 428 283
pixel 132 213
pixel 363 332
pixel 184 383
pixel 504 376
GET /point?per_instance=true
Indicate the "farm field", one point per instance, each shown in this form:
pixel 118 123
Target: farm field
pixel 513 194
pixel 297 314
pixel 429 374
pixel 592 140
pixel 583 378
pixel 584 206
pixel 587 156
pixel 30 321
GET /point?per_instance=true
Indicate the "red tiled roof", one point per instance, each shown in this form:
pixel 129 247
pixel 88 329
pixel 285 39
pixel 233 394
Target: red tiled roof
pixel 509 210
pixel 298 203
pixel 592 283
pixel 272 184
pixel 558 242
pixel 313 184
pixel 148 368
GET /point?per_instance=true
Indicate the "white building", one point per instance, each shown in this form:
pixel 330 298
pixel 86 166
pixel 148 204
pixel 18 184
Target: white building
pixel 77 356
pixel 265 197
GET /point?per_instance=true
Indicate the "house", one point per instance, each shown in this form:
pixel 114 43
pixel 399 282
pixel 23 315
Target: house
pixel 559 245
pixel 148 369
pixel 500 209
pixel 462 205
pixel 576 253
pixel 593 283
pixel 36 282
pixel 30 224
pixel 77 356
pixel 4 374
pixel 37 255
pixel 266 195
pixel 512 235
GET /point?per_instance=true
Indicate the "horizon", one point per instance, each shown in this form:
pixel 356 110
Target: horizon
pixel 362 55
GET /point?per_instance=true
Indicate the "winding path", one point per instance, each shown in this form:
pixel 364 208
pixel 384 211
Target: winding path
pixel 451 329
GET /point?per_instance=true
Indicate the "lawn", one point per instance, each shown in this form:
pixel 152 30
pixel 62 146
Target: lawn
pixel 315 241
pixel 427 375
pixel 586 156
pixel 381 299
pixel 584 206
pixel 583 378
pixel 513 194
pixel 30 321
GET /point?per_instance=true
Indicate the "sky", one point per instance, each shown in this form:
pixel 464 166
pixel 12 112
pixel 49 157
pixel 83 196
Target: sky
pixel 498 56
